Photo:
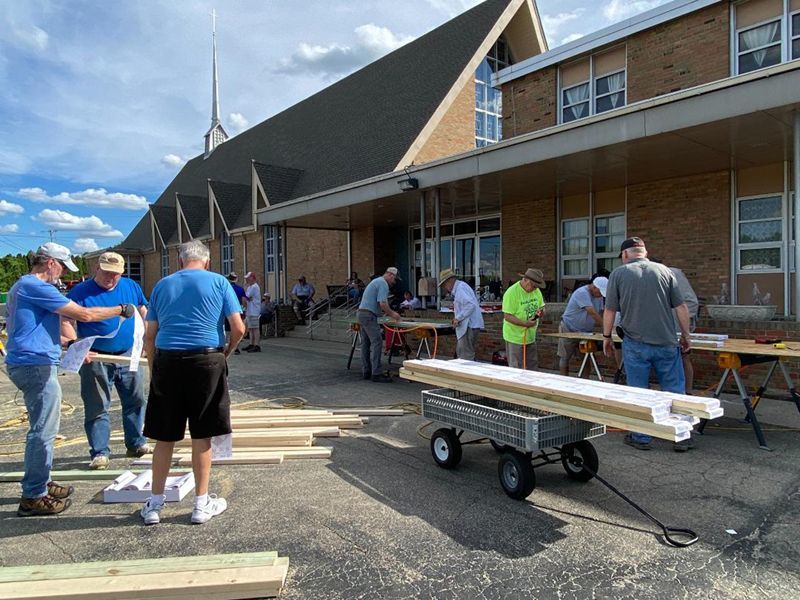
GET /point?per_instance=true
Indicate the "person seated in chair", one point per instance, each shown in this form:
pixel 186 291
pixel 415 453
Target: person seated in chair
pixel 303 293
pixel 355 287
pixel 410 302
pixel 267 310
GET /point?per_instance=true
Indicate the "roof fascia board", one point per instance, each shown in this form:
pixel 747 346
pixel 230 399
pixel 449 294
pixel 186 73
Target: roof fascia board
pixel 466 77
pixel 156 230
pixel 537 26
pixel 753 92
pixel 613 33
pixel 182 219
pixel 256 186
pixel 212 199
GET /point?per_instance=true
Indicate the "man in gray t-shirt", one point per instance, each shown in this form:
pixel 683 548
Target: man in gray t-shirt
pixel 645 293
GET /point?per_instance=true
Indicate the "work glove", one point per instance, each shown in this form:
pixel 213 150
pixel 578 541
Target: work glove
pixel 127 310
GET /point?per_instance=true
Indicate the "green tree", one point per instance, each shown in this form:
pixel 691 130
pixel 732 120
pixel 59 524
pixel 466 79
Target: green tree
pixel 12 267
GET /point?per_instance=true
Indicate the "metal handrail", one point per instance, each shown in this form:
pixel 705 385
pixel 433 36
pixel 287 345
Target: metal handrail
pixel 349 309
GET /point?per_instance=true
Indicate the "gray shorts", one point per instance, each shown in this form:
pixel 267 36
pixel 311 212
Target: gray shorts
pixel 252 322
pixel 566 347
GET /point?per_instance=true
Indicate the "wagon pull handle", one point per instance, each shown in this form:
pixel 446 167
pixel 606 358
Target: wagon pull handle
pixel 674 536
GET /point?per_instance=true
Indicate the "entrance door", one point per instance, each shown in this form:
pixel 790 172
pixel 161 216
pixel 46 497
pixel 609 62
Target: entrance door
pixel 489 261
pixel 465 259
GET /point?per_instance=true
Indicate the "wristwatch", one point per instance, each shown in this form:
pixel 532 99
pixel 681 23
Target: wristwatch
pixel 608 337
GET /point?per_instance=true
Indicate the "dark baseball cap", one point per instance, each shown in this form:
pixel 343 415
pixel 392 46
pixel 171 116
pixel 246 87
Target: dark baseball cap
pixel 633 242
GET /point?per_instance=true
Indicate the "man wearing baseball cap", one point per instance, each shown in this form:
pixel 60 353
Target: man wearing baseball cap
pixel 374 301
pixel 110 288
pixel 523 305
pixel 35 308
pixel 645 293
pixel 583 313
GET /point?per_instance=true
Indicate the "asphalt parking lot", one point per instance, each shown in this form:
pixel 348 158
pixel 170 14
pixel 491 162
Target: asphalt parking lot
pixel 381 520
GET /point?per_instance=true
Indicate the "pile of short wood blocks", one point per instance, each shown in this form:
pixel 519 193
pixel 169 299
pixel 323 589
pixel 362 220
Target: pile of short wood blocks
pixel 215 577
pixel 661 414
pixel 272 435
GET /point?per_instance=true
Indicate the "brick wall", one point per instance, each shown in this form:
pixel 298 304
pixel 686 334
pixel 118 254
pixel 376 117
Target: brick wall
pixel 319 255
pixel 529 231
pixel 255 255
pixel 683 53
pixel 456 131
pixel 151 265
pixel 686 223
pixel 216 256
pixel 363 248
pixel 239 258
pixel 530 103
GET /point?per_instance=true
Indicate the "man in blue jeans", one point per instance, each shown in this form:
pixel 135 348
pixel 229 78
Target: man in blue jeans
pixel 109 288
pixel 35 308
pixel 645 293
pixel 375 301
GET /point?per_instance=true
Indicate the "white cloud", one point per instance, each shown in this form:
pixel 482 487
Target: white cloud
pixel 13 228
pixel 83 245
pixel 9 208
pixel 371 43
pixel 617 10
pixel 34 37
pixel 13 163
pixel 60 220
pixel 571 38
pixel 172 161
pixel 553 23
pixel 88 197
pixel 238 121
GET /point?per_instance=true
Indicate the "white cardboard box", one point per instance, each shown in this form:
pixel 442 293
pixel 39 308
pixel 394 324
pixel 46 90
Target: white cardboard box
pixel 130 487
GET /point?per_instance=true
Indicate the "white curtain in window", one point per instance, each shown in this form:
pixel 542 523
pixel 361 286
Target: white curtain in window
pixel 575 96
pixel 616 83
pixel 759 36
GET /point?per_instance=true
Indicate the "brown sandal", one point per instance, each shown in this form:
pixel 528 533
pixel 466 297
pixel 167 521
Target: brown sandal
pixel 58 491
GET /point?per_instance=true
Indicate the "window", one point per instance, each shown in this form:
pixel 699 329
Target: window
pixel 575 248
pixel 470 247
pixel 226 245
pixel 609 233
pixel 488 100
pixel 593 85
pixel 270 247
pixel 759 233
pixel 164 262
pixel 133 269
pixel 766 33
pixel 584 251
pixel 759 46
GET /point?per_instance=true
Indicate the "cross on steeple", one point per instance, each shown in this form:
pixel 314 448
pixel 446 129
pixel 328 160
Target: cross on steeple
pixel 216 134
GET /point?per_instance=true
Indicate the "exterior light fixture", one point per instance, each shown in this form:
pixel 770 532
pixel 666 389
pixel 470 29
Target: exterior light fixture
pixel 409 183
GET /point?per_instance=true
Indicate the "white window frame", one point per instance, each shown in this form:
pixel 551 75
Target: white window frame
pixel 623 90
pixel 270 243
pixel 592 81
pixel 129 273
pixel 785 29
pixel 611 254
pixel 483 113
pixel 164 262
pixel 226 252
pixel 759 245
pixel 588 256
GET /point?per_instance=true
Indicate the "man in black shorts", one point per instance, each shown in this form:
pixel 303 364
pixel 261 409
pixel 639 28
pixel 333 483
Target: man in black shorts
pixel 184 341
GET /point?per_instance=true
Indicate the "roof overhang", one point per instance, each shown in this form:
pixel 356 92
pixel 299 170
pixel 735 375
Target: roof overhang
pixel 736 122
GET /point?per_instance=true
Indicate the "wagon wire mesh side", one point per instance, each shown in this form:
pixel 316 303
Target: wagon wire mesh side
pixel 518 426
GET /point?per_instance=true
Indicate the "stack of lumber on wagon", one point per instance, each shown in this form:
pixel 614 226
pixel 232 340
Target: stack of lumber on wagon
pixel 217 577
pixel 661 414
pixel 272 435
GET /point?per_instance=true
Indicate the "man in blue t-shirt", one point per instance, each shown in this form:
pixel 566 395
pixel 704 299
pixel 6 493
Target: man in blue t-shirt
pixel 109 288
pixel 184 340
pixel 583 312
pixel 375 301
pixel 35 308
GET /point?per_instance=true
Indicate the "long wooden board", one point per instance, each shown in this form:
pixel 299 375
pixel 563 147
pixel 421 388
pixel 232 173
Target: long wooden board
pixel 325 421
pixel 141 566
pixel 71 475
pixel 673 428
pixel 220 584
pixel 599 395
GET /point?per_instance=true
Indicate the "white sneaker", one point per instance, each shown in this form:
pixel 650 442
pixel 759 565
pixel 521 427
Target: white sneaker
pixel 212 508
pixel 99 463
pixel 151 512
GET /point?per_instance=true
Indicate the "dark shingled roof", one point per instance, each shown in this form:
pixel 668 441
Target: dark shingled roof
pixel 278 182
pixel 235 202
pixel 139 239
pixel 359 127
pixel 167 222
pixel 195 210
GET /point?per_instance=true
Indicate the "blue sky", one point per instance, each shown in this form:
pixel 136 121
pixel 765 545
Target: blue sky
pixel 103 101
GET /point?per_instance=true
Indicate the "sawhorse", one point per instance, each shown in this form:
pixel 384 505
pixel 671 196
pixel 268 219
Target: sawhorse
pixel 732 362
pixel 588 348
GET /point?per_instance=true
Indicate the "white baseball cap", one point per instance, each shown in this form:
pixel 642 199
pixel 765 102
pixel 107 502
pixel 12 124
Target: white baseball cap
pixel 601 283
pixel 394 271
pixel 59 252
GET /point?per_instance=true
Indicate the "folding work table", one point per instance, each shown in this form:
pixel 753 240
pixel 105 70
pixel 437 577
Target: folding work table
pixel 423 330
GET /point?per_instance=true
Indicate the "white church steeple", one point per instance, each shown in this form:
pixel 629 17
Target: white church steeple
pixel 216 134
